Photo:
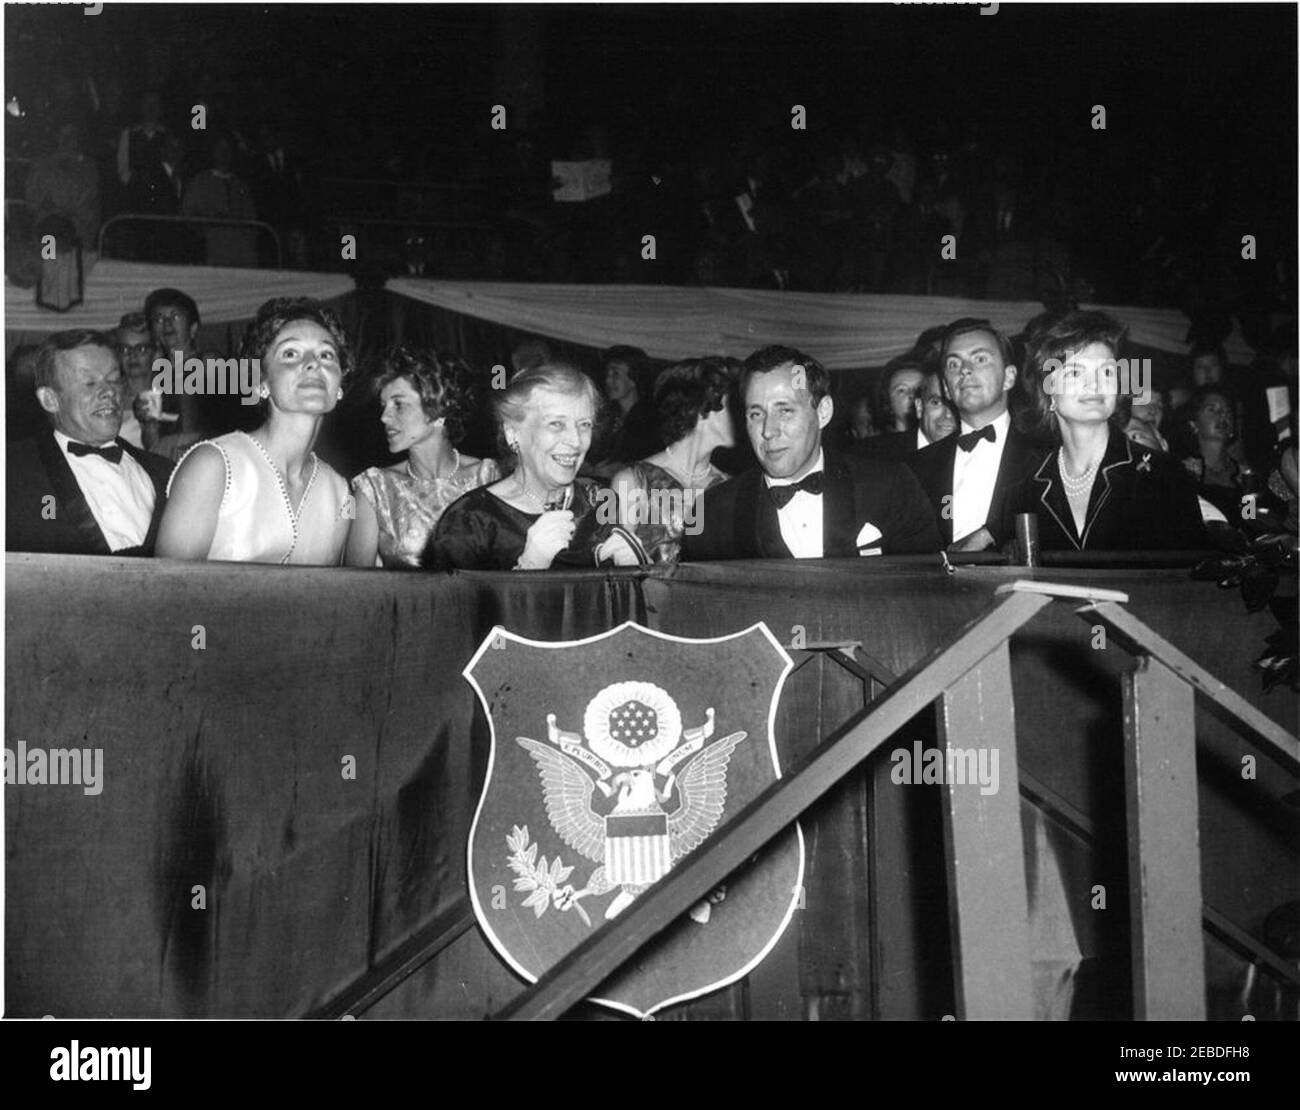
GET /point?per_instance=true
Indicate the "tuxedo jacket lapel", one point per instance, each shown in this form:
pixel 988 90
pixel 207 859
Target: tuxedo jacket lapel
pixel 70 503
pixel 839 520
pixel 757 532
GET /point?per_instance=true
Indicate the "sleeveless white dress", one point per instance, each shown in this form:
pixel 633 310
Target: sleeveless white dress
pixel 256 522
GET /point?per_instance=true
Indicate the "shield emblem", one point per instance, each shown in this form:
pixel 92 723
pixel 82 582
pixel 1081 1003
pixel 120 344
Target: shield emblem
pixel 612 759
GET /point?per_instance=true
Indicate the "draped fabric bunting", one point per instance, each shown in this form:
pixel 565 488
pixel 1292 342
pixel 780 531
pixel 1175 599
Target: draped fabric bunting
pixel 223 294
pixel 843 330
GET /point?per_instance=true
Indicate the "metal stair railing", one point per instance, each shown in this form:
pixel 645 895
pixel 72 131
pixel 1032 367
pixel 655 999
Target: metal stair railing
pixel 982 833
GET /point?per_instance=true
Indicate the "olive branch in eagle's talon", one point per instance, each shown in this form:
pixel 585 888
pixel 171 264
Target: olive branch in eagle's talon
pixel 541 881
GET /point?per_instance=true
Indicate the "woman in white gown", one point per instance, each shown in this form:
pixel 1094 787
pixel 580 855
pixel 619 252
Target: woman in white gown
pixel 264 496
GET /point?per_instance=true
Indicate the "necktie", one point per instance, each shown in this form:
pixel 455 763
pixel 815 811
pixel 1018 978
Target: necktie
pixel 814 484
pixel 113 453
pixel 967 442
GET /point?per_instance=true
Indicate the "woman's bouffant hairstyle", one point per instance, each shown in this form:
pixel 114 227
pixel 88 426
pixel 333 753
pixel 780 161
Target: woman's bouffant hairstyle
pixel 444 383
pixel 1053 341
pixel 688 390
pixel 275 315
pixel 511 403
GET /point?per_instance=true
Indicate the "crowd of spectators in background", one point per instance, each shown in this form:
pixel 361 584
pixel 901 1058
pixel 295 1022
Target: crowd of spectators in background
pixel 843 207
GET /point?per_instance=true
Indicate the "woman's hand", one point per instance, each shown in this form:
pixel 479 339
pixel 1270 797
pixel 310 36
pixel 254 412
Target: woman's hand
pixel 617 549
pixel 547 538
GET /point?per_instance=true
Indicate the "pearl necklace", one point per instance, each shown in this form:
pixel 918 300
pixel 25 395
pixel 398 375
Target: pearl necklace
pixel 693 480
pixel 540 502
pixel 435 477
pixel 1077 487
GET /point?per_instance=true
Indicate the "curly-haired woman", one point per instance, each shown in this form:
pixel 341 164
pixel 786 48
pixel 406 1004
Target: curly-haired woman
pixel 425 400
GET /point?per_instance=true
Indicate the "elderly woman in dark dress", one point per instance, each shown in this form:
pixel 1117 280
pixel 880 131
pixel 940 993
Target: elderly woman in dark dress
pixel 542 514
pixel 1098 490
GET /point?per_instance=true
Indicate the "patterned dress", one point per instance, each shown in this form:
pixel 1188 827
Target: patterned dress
pixel 408 508
pixel 661 511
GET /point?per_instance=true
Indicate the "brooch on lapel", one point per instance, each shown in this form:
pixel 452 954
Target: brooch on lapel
pixel 1145 464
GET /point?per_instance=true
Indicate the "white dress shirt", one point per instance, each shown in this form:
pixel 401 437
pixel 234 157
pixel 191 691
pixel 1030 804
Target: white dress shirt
pixel 801 518
pixel 974 474
pixel 120 495
pixel 921 442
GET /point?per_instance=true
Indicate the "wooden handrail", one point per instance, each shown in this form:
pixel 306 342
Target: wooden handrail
pixel 399 965
pixel 1139 639
pixel 579 973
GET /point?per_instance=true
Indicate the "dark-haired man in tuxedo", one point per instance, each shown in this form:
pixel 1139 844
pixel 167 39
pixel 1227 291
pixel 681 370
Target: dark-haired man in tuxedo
pixel 966 476
pixel 802 501
pixel 76 488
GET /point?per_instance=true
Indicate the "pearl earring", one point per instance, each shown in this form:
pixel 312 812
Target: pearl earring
pixel 339 395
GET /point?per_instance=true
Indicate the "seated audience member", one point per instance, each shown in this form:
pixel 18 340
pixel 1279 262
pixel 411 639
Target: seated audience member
pixel 1282 481
pixel 182 420
pixel 630 432
pixel 425 400
pixel 219 193
pixel 264 496
pixel 543 514
pixel 902 379
pixel 76 488
pixel 966 476
pixel 140 153
pixel 135 353
pixel 1220 477
pixel 66 183
pixel 1144 422
pixel 935 421
pixel 802 501
pixel 1097 490
pixel 862 423
pixel 658 496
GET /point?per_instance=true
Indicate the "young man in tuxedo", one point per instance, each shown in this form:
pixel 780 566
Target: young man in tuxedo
pixel 802 501
pixel 966 476
pixel 77 488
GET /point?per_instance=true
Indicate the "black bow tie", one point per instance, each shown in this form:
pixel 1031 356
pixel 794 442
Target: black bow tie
pixel 967 442
pixel 814 484
pixel 113 453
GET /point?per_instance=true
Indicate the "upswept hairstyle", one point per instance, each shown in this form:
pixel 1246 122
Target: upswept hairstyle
pixel 1054 342
pixel 444 383
pixel 275 315
pixel 46 377
pixel 511 403
pixel 690 389
pixel 766 359
pixel 278 312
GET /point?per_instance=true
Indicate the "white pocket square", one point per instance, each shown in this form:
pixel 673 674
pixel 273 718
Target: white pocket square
pixel 869 535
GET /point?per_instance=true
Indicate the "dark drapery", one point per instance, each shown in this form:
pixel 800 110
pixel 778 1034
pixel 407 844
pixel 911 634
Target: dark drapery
pixel 230 701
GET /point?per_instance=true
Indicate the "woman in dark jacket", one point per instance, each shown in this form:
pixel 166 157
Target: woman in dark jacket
pixel 1098 490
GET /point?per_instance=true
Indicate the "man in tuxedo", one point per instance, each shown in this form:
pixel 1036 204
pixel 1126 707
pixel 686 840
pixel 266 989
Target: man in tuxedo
pixel 966 476
pixel 935 420
pixel 77 488
pixel 802 501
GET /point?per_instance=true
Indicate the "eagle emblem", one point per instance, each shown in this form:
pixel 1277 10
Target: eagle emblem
pixel 612 759
pixel 635 792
